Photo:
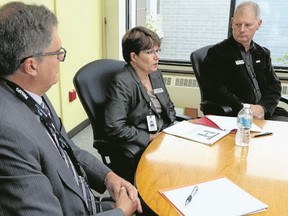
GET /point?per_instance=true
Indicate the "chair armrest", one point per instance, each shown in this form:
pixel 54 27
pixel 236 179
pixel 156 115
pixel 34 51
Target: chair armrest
pixel 121 158
pixel 108 148
pixel 131 150
pixel 209 107
pixel 284 99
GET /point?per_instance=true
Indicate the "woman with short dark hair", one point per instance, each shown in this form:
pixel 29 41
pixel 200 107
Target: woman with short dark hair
pixel 138 104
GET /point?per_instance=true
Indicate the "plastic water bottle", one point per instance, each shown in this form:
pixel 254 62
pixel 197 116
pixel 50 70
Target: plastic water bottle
pixel 244 123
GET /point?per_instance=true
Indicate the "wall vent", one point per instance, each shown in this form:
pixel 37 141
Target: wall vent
pixel 186 82
pixel 178 81
pixel 167 80
pixel 284 90
pixel 183 90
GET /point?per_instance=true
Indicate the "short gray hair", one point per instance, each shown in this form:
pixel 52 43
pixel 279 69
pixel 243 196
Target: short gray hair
pixel 255 7
pixel 25 30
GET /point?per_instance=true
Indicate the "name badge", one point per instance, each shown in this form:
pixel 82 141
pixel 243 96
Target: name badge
pixel 258 61
pixel 158 90
pixel 151 122
pixel 239 62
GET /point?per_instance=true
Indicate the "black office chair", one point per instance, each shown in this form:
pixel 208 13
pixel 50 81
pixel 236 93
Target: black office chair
pixel 91 83
pixel 207 107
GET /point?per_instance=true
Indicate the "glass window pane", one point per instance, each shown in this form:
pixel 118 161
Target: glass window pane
pixel 196 24
pixel 185 26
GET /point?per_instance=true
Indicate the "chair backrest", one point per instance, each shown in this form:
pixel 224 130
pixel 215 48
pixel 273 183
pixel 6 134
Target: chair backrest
pixel 91 83
pixel 197 58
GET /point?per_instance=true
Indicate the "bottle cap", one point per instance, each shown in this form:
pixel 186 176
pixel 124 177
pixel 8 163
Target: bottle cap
pixel 246 105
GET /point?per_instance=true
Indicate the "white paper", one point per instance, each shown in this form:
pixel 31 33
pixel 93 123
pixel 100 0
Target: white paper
pixel 229 123
pixel 216 197
pixel 196 132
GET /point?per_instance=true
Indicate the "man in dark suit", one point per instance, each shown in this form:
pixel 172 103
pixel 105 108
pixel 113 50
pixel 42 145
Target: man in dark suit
pixel 42 171
pixel 238 70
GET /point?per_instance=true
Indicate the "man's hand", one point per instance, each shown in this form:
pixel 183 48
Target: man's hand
pixel 125 203
pixel 258 111
pixel 124 193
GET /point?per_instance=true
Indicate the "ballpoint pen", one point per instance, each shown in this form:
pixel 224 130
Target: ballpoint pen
pixel 263 134
pixel 192 194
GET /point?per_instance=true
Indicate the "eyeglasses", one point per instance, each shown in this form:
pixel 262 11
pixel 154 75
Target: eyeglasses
pixel 152 52
pixel 245 26
pixel 61 55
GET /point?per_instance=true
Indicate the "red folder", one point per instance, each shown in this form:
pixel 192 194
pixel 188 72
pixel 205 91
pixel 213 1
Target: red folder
pixel 206 121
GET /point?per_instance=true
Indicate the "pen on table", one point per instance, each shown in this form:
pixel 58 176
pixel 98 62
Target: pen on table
pixel 192 194
pixel 263 134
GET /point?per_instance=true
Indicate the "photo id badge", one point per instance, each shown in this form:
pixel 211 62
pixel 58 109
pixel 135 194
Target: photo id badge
pixel 151 122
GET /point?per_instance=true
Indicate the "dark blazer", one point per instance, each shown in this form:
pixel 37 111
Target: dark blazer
pixel 128 105
pixel 34 179
pixel 227 82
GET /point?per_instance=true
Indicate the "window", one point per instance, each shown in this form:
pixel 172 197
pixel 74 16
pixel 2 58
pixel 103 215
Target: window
pixel 185 26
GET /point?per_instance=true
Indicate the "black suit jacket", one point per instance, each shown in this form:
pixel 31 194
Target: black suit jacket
pixel 128 105
pixel 227 82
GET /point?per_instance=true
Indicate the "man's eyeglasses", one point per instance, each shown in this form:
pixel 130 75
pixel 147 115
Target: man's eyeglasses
pixel 152 52
pixel 244 25
pixel 61 55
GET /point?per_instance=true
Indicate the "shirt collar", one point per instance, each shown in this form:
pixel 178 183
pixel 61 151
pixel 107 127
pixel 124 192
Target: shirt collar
pixel 242 48
pixel 36 97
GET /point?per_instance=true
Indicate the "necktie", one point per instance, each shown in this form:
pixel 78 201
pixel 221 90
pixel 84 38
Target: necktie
pixel 92 204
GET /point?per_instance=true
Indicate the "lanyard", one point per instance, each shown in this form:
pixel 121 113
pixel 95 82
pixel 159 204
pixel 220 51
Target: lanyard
pixel 46 120
pixel 150 107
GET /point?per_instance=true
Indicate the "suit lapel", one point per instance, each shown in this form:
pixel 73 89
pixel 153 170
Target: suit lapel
pixel 49 154
pixel 64 173
pixel 238 62
pixel 142 89
pixel 157 85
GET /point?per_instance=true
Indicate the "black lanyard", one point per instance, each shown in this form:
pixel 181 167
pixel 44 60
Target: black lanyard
pixel 46 120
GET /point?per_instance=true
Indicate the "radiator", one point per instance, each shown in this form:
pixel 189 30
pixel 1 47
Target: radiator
pixel 284 89
pixel 284 93
pixel 184 91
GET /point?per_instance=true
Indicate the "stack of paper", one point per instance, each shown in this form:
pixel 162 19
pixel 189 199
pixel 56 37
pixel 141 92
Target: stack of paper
pixel 199 133
pixel 216 197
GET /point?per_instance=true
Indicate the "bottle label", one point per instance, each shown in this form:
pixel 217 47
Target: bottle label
pixel 246 123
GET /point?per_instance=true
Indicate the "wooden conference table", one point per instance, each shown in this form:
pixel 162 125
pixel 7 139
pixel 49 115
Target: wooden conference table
pixel 261 169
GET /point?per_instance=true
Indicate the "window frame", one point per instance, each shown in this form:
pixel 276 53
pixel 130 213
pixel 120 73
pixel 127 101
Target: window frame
pixel 179 65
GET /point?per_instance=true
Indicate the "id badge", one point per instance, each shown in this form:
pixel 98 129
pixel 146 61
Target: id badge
pixel 151 122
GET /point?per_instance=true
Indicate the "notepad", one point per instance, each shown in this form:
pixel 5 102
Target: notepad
pixel 216 197
pixel 199 133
